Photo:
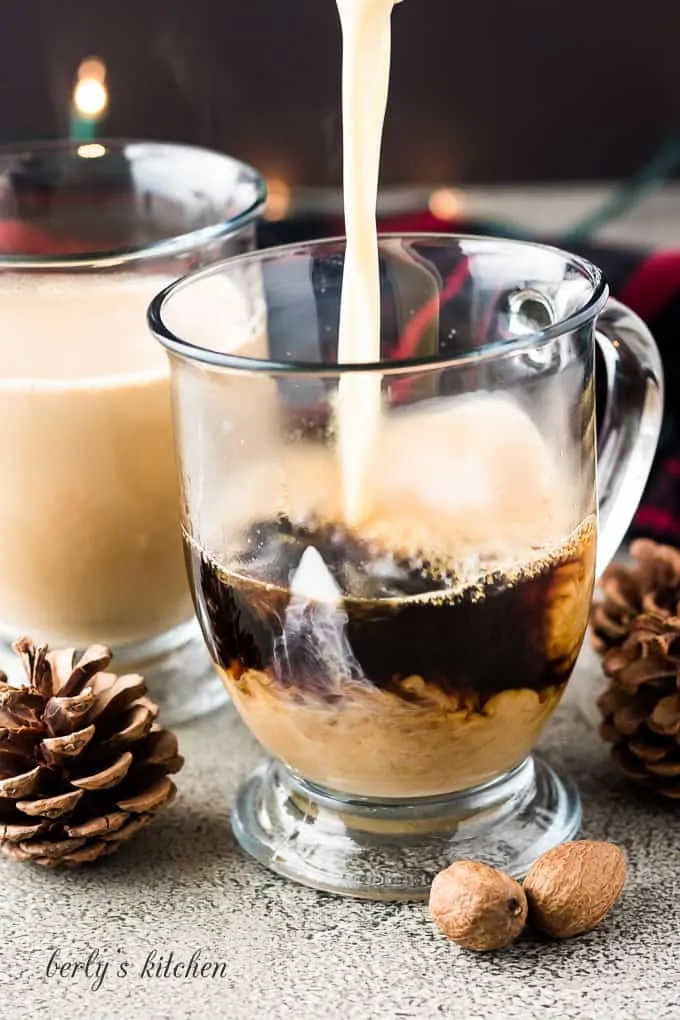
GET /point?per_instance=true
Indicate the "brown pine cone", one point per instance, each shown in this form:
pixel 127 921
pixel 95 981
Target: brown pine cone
pixel 83 766
pixel 636 630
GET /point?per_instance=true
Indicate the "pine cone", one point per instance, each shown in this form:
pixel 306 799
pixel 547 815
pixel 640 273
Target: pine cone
pixel 636 630
pixel 83 766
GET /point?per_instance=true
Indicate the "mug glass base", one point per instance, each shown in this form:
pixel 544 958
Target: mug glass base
pixel 392 850
pixel 179 675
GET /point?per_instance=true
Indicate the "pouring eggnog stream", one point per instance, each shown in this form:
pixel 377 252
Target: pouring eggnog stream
pixel 366 32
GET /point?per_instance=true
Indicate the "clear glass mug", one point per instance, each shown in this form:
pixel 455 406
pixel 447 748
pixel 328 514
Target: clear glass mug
pixel 399 670
pixel 89 529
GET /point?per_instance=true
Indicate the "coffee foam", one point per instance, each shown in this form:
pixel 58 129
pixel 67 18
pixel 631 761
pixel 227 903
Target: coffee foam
pixel 452 578
pixel 474 578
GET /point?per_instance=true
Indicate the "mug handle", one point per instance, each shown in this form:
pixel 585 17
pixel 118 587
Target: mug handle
pixel 629 433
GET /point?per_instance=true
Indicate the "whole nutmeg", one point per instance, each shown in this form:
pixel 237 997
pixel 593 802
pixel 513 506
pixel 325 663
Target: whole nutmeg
pixel 572 888
pixel 478 907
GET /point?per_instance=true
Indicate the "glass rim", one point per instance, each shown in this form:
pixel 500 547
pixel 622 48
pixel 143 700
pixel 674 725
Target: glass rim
pixel 177 244
pixel 188 351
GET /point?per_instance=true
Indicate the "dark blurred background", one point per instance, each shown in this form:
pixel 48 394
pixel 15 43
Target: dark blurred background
pixel 481 92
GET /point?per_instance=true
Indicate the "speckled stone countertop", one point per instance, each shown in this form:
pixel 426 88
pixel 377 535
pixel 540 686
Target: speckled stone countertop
pixel 183 886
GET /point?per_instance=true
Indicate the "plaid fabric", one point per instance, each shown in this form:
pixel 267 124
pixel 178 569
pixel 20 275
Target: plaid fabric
pixel 648 283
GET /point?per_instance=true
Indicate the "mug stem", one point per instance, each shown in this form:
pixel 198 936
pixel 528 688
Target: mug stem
pixel 392 850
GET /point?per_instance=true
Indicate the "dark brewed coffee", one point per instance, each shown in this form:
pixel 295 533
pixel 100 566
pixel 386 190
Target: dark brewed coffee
pixel 511 627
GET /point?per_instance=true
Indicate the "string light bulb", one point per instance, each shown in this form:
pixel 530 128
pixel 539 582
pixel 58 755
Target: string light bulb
pixel 445 204
pixel 90 95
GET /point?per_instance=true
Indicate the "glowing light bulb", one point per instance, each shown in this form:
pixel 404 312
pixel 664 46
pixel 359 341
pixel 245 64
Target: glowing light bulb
pixel 445 204
pixel 90 95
